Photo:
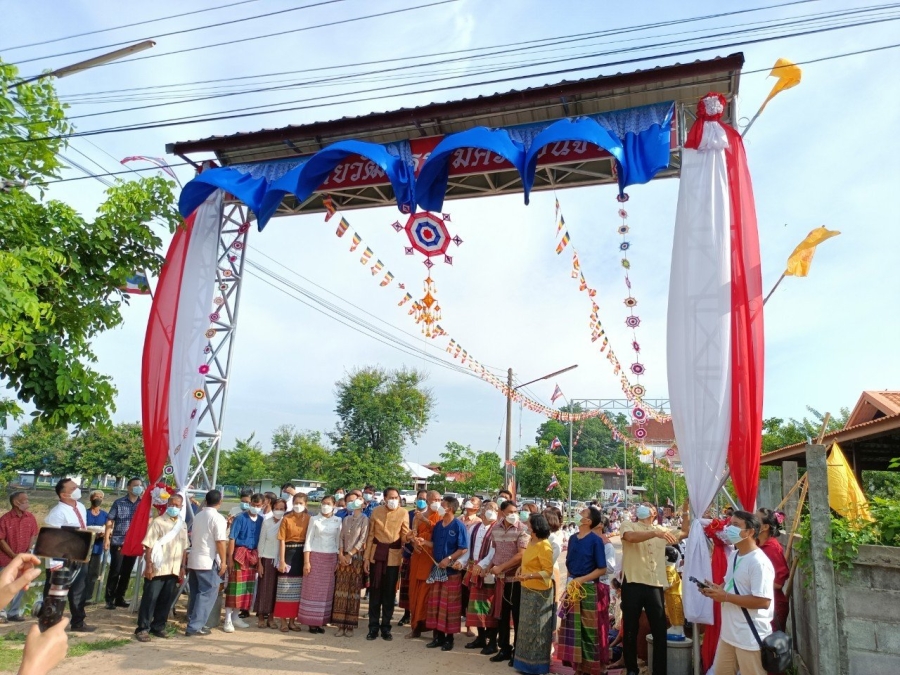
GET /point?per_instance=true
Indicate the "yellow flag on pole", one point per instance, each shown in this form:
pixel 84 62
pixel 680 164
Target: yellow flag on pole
pixel 788 74
pixel 844 494
pixel 799 261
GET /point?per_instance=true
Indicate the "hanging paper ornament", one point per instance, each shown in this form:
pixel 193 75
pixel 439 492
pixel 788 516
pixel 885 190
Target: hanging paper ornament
pixel 396 225
pixel 630 302
pixel 199 394
pixel 623 229
pixel 232 258
pixel 223 287
pixel 244 228
pixel 635 346
pixel 640 432
pixel 203 370
pixel 457 240
pixel 638 413
pixel 638 390
pixel 427 234
pixel 214 316
pixel 238 245
pixel 211 333
pixel 637 368
pixel 207 349
pixel 427 310
pixel 219 301
pixel 626 264
pixel 633 321
pixel 448 259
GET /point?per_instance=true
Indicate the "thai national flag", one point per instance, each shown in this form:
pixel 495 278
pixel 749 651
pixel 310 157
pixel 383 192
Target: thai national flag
pixel 137 285
pixel 555 445
pixel 554 482
pixel 557 393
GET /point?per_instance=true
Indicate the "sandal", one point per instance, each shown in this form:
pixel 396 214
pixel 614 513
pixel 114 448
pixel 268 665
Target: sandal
pixel 282 626
pixel 341 632
pixel 294 627
pixel 348 632
pixel 260 622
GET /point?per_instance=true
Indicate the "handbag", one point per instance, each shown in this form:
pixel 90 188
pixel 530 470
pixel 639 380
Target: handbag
pixel 777 650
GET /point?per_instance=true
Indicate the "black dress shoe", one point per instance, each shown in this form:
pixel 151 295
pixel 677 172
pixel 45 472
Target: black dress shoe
pixel 121 602
pixel 448 645
pixel 476 643
pixel 489 649
pixel 372 635
pixel 159 633
pixel 110 605
pixel 436 642
pixel 500 656
pixel 386 635
pixel 82 628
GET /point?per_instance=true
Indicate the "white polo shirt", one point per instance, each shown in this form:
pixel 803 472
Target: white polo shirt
pixel 209 527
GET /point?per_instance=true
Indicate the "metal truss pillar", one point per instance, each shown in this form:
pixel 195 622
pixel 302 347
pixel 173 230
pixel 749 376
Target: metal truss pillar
pixel 232 248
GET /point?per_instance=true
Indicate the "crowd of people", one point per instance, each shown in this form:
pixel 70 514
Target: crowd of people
pixel 524 584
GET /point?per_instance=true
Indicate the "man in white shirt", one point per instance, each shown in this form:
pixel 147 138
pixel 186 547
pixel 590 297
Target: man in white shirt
pixel 749 585
pixel 69 512
pixel 206 563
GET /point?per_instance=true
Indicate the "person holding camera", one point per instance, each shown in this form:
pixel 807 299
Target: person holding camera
pixel 164 548
pixel 206 563
pixel 69 512
pixel 119 520
pixel 18 528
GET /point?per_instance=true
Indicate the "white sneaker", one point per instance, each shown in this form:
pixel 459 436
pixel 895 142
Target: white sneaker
pixel 228 627
pixel 238 622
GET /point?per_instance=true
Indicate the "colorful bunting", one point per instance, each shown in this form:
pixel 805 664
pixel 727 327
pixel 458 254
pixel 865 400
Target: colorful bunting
pixel 563 242
pixel 342 227
pixel 406 298
pixel 377 267
pixel 357 240
pixel 328 203
pixel 368 253
pixel 388 278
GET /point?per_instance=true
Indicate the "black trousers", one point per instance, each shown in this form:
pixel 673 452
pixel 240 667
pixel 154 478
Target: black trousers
pixel 509 615
pixel 120 567
pixel 93 573
pixel 381 599
pixel 159 593
pixel 635 599
pixel 76 592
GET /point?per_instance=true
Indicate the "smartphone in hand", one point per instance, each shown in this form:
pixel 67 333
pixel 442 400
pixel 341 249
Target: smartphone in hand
pixel 699 583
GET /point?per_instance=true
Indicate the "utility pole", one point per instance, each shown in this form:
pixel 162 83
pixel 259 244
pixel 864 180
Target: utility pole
pixel 571 453
pixel 509 401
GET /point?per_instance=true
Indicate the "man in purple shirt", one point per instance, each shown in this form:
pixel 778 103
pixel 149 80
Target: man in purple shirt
pixel 510 539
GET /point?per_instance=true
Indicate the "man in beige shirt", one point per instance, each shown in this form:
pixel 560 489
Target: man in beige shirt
pixel 388 527
pixel 643 580
pixel 165 547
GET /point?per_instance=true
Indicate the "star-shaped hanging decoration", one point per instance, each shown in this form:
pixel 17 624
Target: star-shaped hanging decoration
pixel 457 240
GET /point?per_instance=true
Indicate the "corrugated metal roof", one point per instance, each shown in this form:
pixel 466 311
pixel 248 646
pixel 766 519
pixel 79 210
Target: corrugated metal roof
pixel 857 431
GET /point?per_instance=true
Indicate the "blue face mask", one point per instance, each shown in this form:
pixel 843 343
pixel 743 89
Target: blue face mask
pixel 245 506
pixel 173 511
pixel 137 490
pixel 523 515
pixel 733 533
pixel 642 512
pixel 421 504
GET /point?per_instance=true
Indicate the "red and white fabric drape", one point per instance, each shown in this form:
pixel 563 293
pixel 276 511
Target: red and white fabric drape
pixel 173 353
pixel 715 329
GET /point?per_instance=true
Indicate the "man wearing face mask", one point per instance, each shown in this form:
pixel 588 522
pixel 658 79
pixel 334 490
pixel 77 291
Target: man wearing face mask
pixel 369 499
pixel 480 591
pixel 420 507
pixel 644 580
pixel 444 596
pixel 120 514
pixel 18 528
pixel 69 512
pixel 242 507
pixel 510 539
pixel 388 529
pixel 242 560
pixel 471 520
pixel 420 563
pixel 164 554
pixel 749 585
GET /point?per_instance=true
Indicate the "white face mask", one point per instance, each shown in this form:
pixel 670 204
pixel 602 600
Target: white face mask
pixel 468 505
pixel 278 515
pixel 76 494
pixel 441 511
pixel 490 515
pixel 512 518
pixel 299 508
pixel 326 509
pixel 393 503
pixel 367 497
pixel 434 506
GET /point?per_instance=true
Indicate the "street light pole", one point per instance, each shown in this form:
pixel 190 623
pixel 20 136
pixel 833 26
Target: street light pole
pixel 101 60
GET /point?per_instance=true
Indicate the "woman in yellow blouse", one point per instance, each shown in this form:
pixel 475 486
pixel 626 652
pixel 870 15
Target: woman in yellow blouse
pixel 535 627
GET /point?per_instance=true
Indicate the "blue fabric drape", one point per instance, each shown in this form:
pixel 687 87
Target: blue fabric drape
pixel 580 129
pixel 245 187
pixel 432 181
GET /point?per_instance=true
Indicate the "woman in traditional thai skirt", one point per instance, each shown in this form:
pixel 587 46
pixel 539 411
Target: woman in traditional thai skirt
pixel 242 559
pixel 320 559
pixel 349 575
pixel 291 537
pixel 534 636
pixel 267 569
pixel 403 599
pixel 583 637
pixel 477 562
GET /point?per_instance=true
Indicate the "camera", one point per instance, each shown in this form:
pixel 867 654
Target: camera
pixel 67 549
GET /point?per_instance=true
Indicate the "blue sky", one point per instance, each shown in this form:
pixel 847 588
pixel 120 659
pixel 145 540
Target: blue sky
pixel 819 155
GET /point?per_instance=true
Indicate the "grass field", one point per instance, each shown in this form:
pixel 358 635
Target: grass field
pixel 12 643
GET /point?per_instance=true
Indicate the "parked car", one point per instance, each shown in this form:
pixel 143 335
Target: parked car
pixel 407 497
pixel 315 495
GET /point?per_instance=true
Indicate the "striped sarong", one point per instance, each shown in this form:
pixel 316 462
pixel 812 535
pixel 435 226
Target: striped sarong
pixel 241 581
pixel 318 590
pixel 445 605
pixel 584 633
pixel 403 602
pixel 265 588
pixel 289 585
pixel 479 612
pixel 534 635
pixel 345 611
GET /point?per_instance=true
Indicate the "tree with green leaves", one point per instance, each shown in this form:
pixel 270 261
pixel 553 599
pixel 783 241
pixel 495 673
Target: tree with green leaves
pixel 379 411
pixel 534 470
pixel 296 454
pixel 243 464
pixel 38 447
pixel 61 275
pixel 117 451
pixel 476 471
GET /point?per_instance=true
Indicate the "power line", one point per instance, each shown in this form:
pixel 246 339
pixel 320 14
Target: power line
pixel 328 24
pixel 559 39
pixel 128 25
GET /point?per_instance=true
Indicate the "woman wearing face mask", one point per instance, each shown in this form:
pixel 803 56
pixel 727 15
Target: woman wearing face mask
pixel 420 507
pixel 349 576
pixel 96 523
pixel 526 512
pixel 770 528
pixel 291 538
pixel 242 561
pixel 477 561
pixel 534 639
pixel 267 568
pixel 583 635
pixel 320 559
pixel 420 563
